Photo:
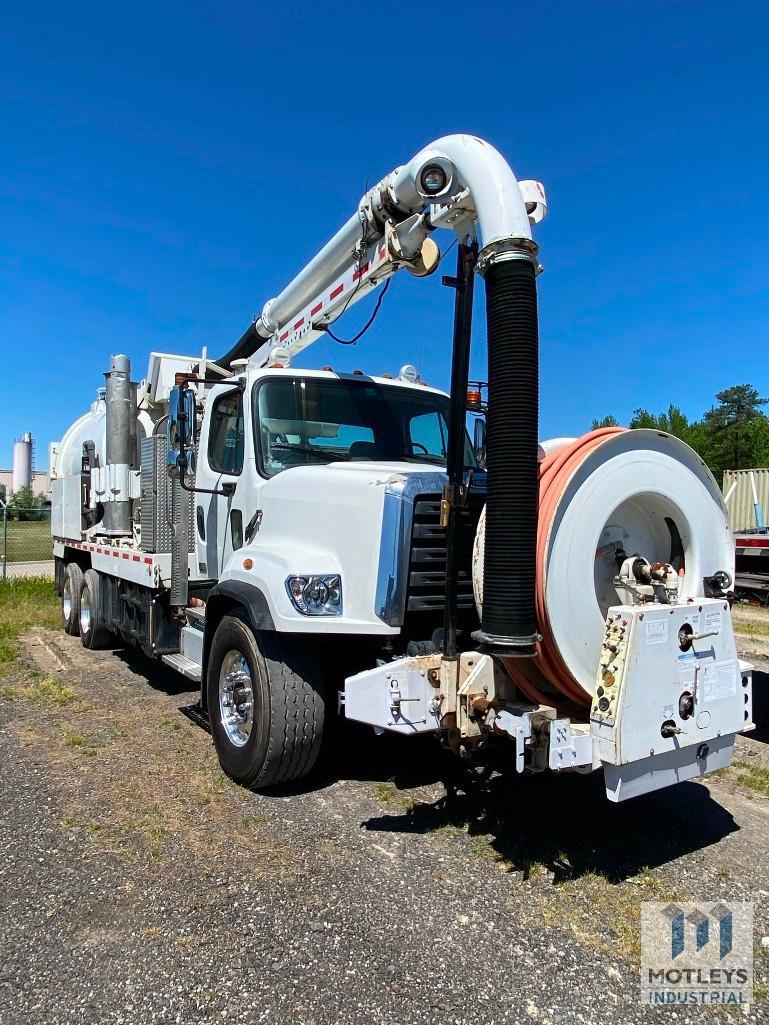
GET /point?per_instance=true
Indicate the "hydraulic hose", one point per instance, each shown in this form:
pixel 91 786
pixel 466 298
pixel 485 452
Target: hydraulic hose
pixel 248 342
pixel 548 670
pixel 508 621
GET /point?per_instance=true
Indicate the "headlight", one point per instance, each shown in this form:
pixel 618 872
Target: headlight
pixel 316 595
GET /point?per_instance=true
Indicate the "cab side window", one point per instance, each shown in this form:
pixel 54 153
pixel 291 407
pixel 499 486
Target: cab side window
pixel 427 435
pixel 225 438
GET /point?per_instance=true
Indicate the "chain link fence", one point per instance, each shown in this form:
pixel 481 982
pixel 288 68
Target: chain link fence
pixel 25 541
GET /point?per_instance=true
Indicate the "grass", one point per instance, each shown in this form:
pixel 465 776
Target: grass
pixel 751 621
pixel 29 541
pixel 603 915
pixel 47 690
pixel 23 603
pixel 750 628
pixel 753 777
pixel 388 795
pixel 78 739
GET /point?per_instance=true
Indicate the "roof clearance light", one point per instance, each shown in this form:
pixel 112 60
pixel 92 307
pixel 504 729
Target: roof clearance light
pixel 408 373
pixel 433 179
pixel 279 357
pixel 474 398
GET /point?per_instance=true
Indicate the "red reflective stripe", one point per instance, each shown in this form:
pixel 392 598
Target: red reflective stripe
pixel 137 558
pixel 148 561
pixel 126 555
pixel 316 309
pixel 753 542
pixel 298 323
pixel 337 291
pixel 358 273
pixel 116 555
pixel 283 337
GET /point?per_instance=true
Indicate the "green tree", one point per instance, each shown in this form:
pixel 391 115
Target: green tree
pixel 735 430
pixel 605 421
pixel 672 422
pixel 24 504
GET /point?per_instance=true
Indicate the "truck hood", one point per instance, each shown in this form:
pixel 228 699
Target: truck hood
pixel 332 518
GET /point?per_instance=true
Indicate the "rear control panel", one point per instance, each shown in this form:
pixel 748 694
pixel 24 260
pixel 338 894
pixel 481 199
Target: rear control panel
pixel 668 678
pixel 611 668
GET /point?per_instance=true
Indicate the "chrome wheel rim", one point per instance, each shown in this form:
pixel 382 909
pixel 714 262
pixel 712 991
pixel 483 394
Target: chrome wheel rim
pixel 66 600
pixel 236 698
pixel 85 611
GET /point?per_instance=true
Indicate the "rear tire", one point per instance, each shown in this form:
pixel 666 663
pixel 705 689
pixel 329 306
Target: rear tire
pixel 70 598
pixel 265 706
pixel 93 631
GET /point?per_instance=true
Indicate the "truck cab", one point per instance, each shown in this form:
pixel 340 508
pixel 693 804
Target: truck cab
pixel 320 494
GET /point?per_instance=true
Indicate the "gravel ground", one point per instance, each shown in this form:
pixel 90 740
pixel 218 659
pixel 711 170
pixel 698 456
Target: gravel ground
pixel 138 885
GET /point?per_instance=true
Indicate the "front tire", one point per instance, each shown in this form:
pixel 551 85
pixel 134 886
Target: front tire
pixel 93 631
pixel 265 706
pixel 70 598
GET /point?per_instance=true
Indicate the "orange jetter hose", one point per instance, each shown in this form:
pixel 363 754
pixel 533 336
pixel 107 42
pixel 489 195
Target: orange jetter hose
pixel 555 472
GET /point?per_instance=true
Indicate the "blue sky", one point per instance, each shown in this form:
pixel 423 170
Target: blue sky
pixel 167 168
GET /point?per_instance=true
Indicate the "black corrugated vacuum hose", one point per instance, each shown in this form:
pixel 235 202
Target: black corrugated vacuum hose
pixel 508 621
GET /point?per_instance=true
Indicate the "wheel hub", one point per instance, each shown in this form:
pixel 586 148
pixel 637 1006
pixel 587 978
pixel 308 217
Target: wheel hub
pixel 85 611
pixel 236 698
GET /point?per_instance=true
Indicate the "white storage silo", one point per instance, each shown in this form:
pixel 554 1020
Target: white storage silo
pixel 22 462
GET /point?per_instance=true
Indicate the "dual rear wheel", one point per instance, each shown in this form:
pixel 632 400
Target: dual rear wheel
pixel 81 607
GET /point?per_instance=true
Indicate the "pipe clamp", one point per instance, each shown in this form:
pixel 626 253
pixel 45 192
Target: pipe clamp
pixel 507 249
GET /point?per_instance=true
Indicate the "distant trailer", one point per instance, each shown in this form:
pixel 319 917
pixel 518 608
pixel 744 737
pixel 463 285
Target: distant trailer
pixel 751 550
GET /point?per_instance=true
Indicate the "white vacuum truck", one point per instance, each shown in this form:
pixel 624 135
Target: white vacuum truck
pixel 300 540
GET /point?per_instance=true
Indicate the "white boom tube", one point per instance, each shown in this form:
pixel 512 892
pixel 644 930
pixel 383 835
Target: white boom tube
pixel 480 184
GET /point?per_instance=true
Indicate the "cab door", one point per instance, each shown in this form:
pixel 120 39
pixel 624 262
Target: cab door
pixel 219 516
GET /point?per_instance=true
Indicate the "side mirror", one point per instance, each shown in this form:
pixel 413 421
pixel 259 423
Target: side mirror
pixel 479 440
pixel 181 430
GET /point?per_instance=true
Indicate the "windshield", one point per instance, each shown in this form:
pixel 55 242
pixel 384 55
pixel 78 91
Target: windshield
pixel 308 421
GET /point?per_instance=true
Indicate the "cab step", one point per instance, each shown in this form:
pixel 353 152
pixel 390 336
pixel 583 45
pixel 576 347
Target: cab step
pixel 185 666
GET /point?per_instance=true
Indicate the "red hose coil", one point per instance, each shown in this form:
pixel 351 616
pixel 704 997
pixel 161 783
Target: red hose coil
pixel 555 472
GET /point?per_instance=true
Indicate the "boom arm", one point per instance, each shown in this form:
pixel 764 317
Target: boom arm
pixel 458 182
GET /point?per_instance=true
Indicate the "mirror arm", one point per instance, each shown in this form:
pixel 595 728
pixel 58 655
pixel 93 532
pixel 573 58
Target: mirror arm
pixel 227 489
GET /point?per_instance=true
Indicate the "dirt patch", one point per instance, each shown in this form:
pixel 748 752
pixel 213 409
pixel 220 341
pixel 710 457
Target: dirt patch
pixel 139 778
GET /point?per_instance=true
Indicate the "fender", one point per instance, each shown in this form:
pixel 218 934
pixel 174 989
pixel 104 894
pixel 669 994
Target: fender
pixel 247 595
pixel 222 598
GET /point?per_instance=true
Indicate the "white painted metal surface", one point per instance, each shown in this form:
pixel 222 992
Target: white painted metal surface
pixel 89 427
pixel 644 679
pixel 397 696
